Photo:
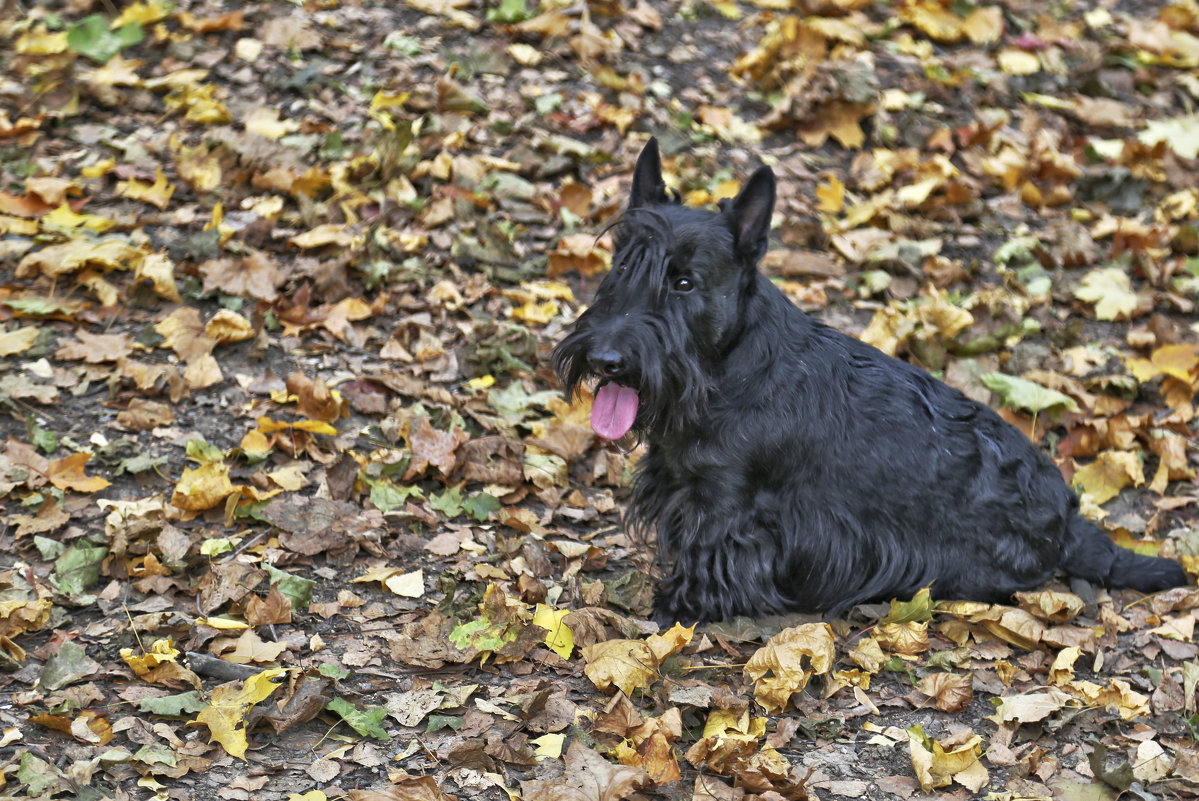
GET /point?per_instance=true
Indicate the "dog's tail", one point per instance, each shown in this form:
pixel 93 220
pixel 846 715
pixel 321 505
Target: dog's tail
pixel 1093 556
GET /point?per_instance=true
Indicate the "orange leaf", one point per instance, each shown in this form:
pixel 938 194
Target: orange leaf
pixel 67 473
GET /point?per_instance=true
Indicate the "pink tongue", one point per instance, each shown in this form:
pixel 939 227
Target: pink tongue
pixel 613 410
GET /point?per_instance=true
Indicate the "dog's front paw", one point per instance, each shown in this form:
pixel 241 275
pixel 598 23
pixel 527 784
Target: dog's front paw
pixel 663 618
pixel 666 617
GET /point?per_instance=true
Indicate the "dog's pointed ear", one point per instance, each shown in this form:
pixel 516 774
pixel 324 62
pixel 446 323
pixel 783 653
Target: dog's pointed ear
pixel 750 212
pixel 647 177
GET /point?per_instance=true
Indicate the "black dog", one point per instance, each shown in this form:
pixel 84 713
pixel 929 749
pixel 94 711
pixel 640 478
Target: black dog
pixel 791 467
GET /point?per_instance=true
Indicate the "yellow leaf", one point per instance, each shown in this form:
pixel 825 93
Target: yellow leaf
pixel 671 641
pixel 255 442
pixel 1111 472
pixel 67 473
pixel 1110 290
pixel 69 257
pixel 37 42
pixel 939 315
pixel 790 657
pixel 934 19
pixel 1056 607
pixel 161 651
pixel 326 234
pixel 379 573
pixel 289 478
pixel 161 272
pixel 1014 61
pixel 157 194
pixel 1180 361
pixel 984 25
pixel 202 488
pixel 1118 695
pixel 559 638
pixel 1029 708
pixel 937 767
pixel 830 196
pixel 225 716
pixel 407 585
pixel 538 313
pixel 203 371
pixel 142 13
pixel 223 623
pixel 199 101
pixel 17 340
pixel 1062 669
pixel 265 122
pixel 63 217
pixel 99 169
pixel 624 664
pixel 549 746
pixel 731 723
pixel 314 427
pixel 228 326
pixel 908 638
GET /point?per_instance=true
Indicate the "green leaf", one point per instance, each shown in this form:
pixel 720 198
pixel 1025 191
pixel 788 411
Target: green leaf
pixel 43 440
pixel 296 589
pixel 92 37
pixel 42 779
pixel 141 463
pixel 1020 393
pixel 156 754
pixel 48 548
pixel 368 723
pixel 449 503
pixel 482 635
pixel 332 671
pixel 509 11
pixel 78 569
pixel 513 402
pixel 481 506
pixel 439 722
pixel 200 451
pixel 919 609
pixel 388 497
pixel 67 665
pixel 175 706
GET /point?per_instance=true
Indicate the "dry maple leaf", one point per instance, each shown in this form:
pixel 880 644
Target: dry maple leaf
pixel 67 474
pixel 225 715
pixel 588 777
pixel 790 657
pixel 951 692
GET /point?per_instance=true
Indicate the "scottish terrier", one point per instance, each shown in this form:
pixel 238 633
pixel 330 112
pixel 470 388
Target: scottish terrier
pixel 790 467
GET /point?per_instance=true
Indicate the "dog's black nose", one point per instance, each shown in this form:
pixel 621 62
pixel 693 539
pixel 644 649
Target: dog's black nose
pixel 606 361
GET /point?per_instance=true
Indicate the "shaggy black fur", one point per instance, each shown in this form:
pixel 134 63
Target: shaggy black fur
pixel 791 467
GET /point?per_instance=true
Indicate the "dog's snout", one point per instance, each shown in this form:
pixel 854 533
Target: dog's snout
pixel 606 361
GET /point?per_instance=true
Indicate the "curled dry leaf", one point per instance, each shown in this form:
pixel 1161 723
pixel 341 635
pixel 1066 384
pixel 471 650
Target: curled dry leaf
pixel 950 692
pixel 788 660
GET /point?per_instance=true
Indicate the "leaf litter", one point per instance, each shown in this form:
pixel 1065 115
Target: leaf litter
pixel 293 508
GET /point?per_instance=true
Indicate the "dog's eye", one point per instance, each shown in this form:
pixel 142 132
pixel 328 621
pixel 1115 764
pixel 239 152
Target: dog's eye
pixel 683 284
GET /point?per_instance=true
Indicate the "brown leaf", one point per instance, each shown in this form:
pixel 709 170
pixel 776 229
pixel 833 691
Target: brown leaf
pixel 588 777
pixel 492 460
pixel 951 692
pixel 431 446
pixel 404 788
pixel 143 415
pixel 96 348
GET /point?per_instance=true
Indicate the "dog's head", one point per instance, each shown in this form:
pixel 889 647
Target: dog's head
pixel 672 305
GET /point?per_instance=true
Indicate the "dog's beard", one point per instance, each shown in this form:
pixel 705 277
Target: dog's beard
pixel 663 393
